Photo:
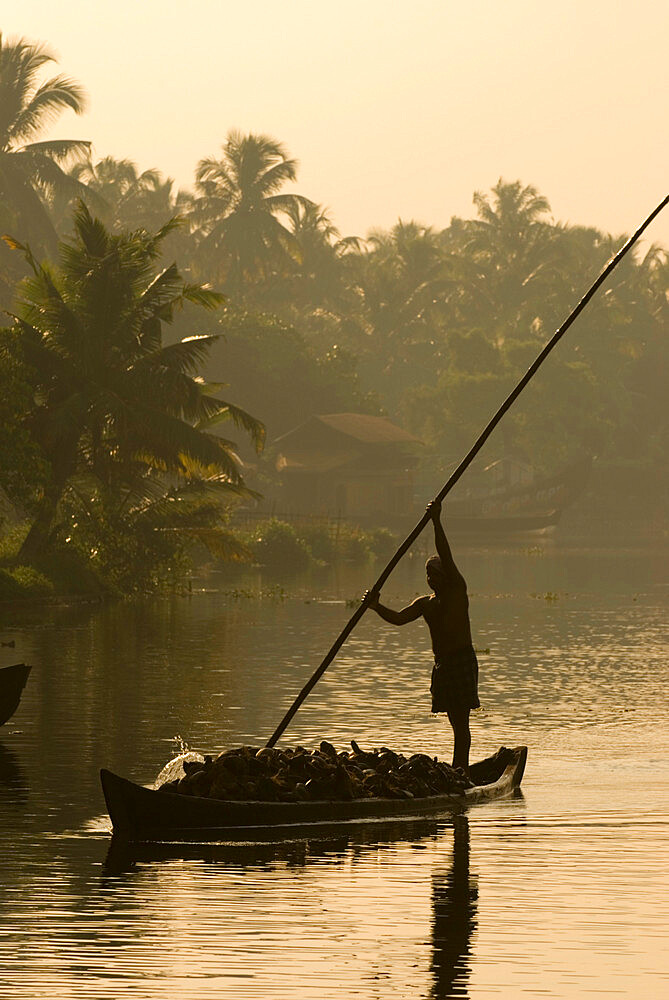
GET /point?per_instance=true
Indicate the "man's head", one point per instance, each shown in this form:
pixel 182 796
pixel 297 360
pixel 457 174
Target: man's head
pixel 435 573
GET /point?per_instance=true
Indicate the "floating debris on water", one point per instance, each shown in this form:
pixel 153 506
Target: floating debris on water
pixel 276 593
pixel 550 595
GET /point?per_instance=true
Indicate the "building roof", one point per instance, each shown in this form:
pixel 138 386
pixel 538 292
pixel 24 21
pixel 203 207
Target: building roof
pixel 359 426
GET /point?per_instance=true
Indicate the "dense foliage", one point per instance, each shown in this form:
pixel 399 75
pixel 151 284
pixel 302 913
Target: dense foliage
pixel 107 427
pixel 279 545
pixel 122 420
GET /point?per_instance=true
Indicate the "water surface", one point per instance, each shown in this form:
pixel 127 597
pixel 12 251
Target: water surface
pixel 559 893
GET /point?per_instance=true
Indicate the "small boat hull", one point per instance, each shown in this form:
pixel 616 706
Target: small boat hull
pixel 540 523
pixel 535 507
pixel 145 815
pixel 12 682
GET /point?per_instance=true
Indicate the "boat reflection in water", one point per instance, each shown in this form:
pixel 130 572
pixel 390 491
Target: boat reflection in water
pixel 453 890
pixel 13 787
pixel 454 895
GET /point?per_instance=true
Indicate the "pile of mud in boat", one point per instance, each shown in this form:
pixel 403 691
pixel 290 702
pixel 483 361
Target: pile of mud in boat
pixel 269 774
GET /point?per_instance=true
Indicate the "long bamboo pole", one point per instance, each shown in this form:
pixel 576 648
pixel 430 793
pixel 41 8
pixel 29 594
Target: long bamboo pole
pixel 455 476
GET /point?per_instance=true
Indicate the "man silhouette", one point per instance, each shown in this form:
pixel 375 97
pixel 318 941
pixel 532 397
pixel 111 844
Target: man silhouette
pixel 454 683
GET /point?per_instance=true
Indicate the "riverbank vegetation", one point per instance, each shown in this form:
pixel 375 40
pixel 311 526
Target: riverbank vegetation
pixel 279 544
pixel 133 308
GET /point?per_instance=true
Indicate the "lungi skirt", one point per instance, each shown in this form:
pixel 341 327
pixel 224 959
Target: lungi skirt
pixel 455 680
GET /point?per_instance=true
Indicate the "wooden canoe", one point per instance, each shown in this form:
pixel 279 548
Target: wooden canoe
pixel 140 814
pixel 536 506
pixel 12 682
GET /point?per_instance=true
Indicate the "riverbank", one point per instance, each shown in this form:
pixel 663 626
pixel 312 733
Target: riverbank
pixel 275 545
pixel 624 504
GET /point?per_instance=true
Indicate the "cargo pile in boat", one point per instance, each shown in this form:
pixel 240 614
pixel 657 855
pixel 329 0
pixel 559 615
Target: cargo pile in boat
pixel 269 774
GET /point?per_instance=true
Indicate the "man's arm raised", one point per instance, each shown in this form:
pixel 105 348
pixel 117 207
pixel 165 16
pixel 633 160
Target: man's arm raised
pixel 451 571
pixel 412 612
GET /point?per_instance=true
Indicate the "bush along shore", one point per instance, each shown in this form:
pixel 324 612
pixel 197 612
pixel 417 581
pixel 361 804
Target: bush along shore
pixel 118 566
pixel 282 545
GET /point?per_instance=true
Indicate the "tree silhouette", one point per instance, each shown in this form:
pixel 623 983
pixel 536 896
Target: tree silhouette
pixel 238 202
pixel 31 171
pixel 110 399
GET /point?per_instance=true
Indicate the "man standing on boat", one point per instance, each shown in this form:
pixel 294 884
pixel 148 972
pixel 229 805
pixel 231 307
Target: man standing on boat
pixel 454 684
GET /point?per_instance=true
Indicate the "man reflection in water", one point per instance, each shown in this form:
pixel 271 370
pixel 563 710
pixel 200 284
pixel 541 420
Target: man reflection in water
pixel 454 684
pixel 454 919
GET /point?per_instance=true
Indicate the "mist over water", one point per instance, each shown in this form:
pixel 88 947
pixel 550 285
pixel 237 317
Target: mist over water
pixel 560 892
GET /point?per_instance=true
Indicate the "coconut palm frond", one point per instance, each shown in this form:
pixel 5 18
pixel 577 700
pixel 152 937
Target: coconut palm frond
pixel 202 295
pixel 174 442
pixel 210 497
pixel 275 176
pixel 59 150
pixel 91 234
pixel 183 356
pixel 286 202
pixel 220 543
pixel 159 296
pixel 47 176
pixel 44 105
pixel 172 224
pixel 241 419
pixel 194 469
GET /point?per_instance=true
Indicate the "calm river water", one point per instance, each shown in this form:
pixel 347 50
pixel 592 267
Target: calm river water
pixel 562 892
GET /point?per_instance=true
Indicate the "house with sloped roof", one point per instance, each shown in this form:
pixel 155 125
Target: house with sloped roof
pixel 347 464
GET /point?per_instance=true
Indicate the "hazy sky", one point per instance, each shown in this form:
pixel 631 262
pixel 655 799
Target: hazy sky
pixel 393 108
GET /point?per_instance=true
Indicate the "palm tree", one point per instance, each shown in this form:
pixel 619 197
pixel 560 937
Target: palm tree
pixel 125 198
pixel 506 259
pixel 32 171
pixel 399 281
pixel 316 286
pixel 237 205
pixel 515 212
pixel 110 399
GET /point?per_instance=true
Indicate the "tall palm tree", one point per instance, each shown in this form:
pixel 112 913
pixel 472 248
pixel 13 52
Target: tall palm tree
pixel 514 211
pixel 31 171
pixel 237 208
pixel 506 260
pixel 110 399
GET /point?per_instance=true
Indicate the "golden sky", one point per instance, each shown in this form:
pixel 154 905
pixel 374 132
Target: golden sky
pixel 394 108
